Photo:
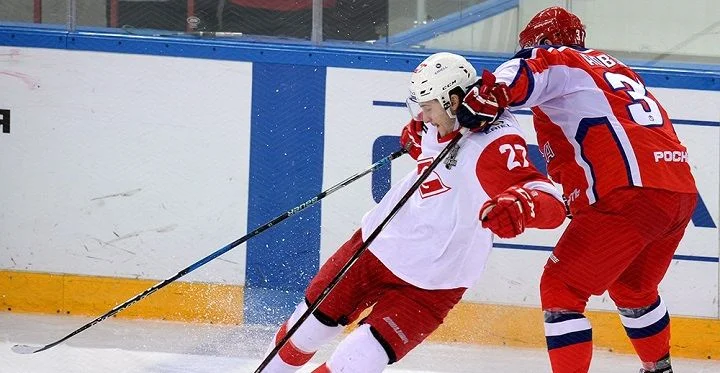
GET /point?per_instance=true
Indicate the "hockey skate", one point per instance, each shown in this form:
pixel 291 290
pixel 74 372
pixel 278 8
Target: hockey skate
pixel 661 366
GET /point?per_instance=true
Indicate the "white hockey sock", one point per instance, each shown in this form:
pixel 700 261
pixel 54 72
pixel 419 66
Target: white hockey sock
pixel 359 352
pixel 311 335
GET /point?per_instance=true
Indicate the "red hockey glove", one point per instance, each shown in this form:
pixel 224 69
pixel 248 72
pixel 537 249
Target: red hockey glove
pixel 411 138
pixel 508 213
pixel 483 103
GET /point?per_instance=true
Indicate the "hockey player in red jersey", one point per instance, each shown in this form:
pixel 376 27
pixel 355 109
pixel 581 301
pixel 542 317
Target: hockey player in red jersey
pixel 611 145
pixel 422 262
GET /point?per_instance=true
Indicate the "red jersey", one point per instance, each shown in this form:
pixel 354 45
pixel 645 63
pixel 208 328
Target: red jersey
pixel 598 126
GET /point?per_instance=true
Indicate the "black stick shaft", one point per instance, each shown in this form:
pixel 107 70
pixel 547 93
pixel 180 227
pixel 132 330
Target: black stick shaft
pixel 226 248
pixel 314 306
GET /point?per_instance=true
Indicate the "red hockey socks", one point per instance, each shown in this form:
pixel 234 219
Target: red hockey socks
pixel 569 341
pixel 289 353
pixel 649 331
pixel 301 347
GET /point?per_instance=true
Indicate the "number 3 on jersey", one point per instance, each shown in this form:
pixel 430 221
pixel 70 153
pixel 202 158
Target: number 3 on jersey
pixel 515 159
pixel 644 110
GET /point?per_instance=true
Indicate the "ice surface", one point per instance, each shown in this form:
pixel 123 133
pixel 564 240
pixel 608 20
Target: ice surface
pixel 135 346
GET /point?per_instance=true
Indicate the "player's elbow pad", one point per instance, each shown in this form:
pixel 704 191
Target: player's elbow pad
pixel 549 211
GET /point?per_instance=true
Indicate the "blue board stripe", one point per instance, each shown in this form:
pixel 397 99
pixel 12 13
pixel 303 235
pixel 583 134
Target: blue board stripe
pixel 389 103
pixel 688 122
pixel 382 177
pixel 286 165
pixel 692 258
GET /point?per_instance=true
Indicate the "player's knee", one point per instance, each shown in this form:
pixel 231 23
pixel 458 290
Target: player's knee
pixel 360 352
pixel 314 332
pixel 636 312
pixel 555 293
pixel 555 314
pixel 632 298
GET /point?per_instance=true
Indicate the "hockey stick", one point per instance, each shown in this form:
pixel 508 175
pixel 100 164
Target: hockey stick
pixel 314 306
pixel 26 349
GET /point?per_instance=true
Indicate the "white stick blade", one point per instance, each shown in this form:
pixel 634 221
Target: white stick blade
pixel 25 349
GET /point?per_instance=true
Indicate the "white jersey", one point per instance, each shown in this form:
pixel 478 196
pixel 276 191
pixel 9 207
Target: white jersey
pixel 436 241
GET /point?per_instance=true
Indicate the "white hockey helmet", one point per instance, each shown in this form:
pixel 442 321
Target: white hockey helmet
pixel 436 77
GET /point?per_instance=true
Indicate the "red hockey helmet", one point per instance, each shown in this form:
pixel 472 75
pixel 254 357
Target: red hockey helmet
pixel 555 26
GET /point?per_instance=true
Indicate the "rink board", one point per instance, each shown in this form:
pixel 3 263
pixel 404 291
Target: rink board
pixel 122 168
pixel 123 176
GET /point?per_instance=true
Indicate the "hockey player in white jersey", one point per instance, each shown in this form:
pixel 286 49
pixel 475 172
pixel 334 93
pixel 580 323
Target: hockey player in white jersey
pixel 437 245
